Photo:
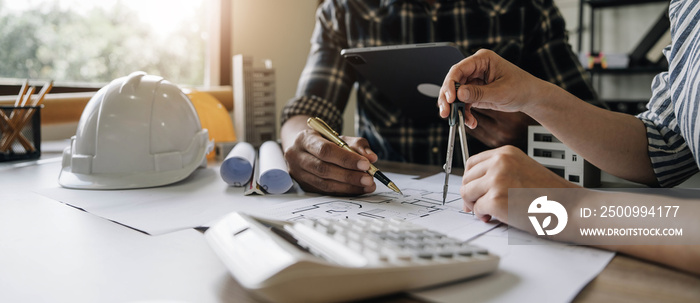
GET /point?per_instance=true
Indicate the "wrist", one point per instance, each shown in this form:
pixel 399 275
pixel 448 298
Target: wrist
pixel 545 101
pixel 291 129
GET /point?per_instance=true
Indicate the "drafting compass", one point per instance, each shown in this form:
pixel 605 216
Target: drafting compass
pixel 456 120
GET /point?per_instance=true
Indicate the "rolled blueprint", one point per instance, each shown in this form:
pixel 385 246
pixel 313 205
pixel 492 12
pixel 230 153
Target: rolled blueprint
pixel 237 167
pixel 274 175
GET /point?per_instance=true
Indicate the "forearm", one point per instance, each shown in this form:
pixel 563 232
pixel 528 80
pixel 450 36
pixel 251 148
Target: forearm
pixel 614 142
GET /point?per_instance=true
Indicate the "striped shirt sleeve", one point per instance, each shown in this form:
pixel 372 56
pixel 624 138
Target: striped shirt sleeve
pixel 671 119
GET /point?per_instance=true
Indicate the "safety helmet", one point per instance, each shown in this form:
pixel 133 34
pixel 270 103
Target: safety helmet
pixel 137 131
pixel 214 117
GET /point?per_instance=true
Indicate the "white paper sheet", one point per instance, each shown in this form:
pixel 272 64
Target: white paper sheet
pixel 546 271
pixel 201 198
pixel 551 272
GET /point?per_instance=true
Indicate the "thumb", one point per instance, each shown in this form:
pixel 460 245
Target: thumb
pixel 472 93
pixel 487 96
pixel 361 145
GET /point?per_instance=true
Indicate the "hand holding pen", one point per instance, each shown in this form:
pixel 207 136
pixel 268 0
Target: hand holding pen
pixel 320 126
pixel 321 166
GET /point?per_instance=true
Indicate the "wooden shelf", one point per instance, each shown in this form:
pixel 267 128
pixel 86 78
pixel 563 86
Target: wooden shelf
pixel 628 71
pixel 613 3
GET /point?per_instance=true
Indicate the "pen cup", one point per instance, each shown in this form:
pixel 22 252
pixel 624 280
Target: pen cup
pixel 20 133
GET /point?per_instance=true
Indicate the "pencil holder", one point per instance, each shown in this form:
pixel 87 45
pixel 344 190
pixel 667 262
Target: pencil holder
pixel 20 133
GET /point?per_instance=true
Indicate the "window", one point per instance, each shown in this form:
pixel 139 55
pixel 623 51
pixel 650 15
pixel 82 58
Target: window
pixel 88 43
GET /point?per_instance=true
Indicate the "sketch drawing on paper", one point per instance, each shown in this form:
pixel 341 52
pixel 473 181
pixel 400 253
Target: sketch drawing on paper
pixel 414 204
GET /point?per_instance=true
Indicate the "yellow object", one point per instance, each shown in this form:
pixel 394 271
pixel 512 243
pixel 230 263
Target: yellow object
pixel 214 117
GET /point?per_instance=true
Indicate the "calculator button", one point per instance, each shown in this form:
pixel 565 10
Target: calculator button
pixel 370 243
pixel 425 255
pixel 403 256
pixel 393 241
pixel 465 253
pixel 355 245
pixel 340 237
pixel 354 235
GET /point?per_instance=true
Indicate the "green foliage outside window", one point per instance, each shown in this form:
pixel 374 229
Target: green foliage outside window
pixel 97 46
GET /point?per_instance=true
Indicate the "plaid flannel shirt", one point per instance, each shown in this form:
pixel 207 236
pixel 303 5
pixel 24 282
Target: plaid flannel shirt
pixel 528 33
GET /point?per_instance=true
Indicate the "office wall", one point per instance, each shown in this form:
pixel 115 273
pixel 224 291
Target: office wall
pixel 280 30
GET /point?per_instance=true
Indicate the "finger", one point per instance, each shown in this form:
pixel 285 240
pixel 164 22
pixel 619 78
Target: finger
pixel 469 119
pixel 312 165
pixel 474 173
pixel 475 189
pixel 487 124
pixel 330 152
pixel 465 71
pixel 361 145
pixel 474 195
pixel 312 183
pixel 486 208
pixel 473 93
pixel 446 96
pixel 485 96
pixel 479 158
pixel 467 206
pixel 474 184
pixel 470 72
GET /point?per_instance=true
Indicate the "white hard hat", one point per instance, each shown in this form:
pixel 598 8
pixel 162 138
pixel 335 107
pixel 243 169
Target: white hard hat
pixel 138 131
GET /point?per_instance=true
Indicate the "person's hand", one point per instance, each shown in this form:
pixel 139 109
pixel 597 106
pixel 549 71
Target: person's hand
pixel 496 129
pixel 321 166
pixel 490 82
pixel 489 175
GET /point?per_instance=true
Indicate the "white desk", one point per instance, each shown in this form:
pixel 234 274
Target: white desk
pixel 51 252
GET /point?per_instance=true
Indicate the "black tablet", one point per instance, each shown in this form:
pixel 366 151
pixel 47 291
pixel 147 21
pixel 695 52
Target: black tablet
pixel 409 75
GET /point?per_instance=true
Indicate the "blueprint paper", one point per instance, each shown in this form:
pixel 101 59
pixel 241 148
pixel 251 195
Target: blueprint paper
pixel 421 204
pixel 274 174
pixel 237 167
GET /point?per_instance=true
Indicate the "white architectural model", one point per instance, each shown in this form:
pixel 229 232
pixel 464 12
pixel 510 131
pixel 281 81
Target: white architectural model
pixel 254 113
pixel 559 158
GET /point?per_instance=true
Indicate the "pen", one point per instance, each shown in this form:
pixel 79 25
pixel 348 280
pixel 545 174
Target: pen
pixel 320 126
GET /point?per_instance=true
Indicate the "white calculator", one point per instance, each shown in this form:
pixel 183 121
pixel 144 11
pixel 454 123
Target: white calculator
pixel 323 260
